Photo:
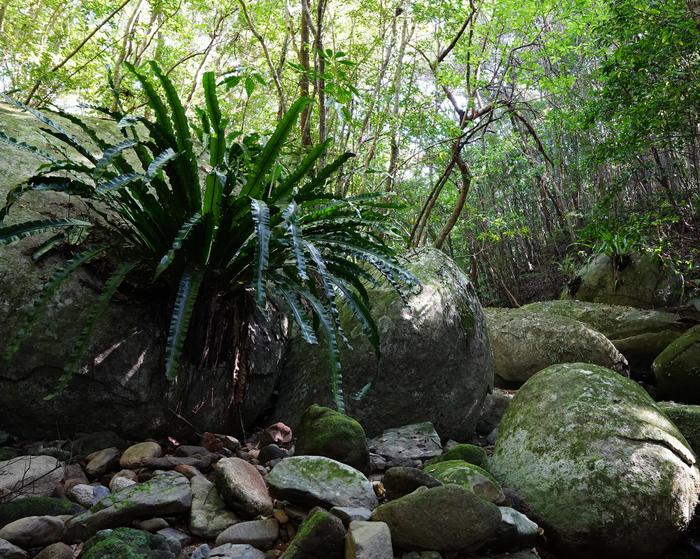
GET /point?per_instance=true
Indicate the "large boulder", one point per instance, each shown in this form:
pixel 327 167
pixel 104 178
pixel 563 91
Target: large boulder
pixel 639 334
pixel 435 359
pixel 121 385
pixel 636 281
pixel 599 466
pixel 525 342
pixel 677 368
pixel 686 418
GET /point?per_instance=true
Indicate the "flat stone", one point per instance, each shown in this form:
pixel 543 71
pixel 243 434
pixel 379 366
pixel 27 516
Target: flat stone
pixel 261 534
pixel 348 514
pixel 30 475
pixel 33 531
pixel 242 487
pixel 411 442
pixel 137 454
pixel 10 551
pixel 320 481
pixel 209 515
pixel 165 494
pixel 56 550
pixel 102 461
pixel 236 551
pixel 368 540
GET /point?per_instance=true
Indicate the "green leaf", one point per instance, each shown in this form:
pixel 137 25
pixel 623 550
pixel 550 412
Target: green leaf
pixel 180 238
pixel 112 153
pixel 261 216
pixel 10 234
pixel 187 292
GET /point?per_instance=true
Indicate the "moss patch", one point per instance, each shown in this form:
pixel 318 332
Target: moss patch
pixel 36 506
pixel 469 477
pixel 466 452
pixel 124 543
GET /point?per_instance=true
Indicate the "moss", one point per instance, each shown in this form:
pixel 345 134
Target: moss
pixel 122 543
pixel 687 419
pixel 467 452
pixel 35 506
pixel 468 476
pixel 677 368
pixel 313 469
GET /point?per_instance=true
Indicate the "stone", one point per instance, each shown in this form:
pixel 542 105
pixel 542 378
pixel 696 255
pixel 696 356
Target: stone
pixel 117 483
pixel 152 524
pixel 639 334
pixel 466 452
pixel 33 531
pixel 348 514
pixel 235 551
pixel 687 419
pixel 36 506
pixel 377 463
pixel 588 429
pixel 525 342
pixel 368 540
pixel 435 365
pixel 271 452
pixel 87 495
pixel 399 481
pixel 126 543
pixel 640 281
pixel 208 515
pixel 29 476
pixel 10 551
pixel 677 368
pixel 242 487
pixel 176 539
pixel 494 407
pixel 103 461
pixel 261 534
pixel 320 481
pixel 56 550
pixel 410 442
pixel 445 518
pixel 136 455
pixel 73 475
pixel 469 477
pixel 279 434
pixel 516 530
pixel 217 443
pixel 320 535
pixel 202 463
pixel 165 494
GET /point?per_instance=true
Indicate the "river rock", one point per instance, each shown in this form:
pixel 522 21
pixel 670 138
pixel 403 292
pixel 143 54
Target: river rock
pixel 56 550
pixel 627 471
pixel 102 461
pixel 317 480
pixel 10 551
pixel 465 452
pixel 687 419
pixel 469 477
pixel 368 540
pixel 407 445
pixel 516 530
pixel 677 368
pixel 400 480
pixel 242 487
pixel 525 342
pixel 87 495
pixel 209 515
pixel 261 534
pixel 136 455
pixel 435 357
pixel 446 518
pixel 29 476
pixel 320 535
pixel 33 531
pixel 126 542
pixel 234 551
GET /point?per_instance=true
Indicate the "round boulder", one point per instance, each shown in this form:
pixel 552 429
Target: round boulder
pixel 435 359
pixel 677 369
pixel 598 464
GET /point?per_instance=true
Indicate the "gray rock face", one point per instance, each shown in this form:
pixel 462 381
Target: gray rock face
pixel 261 534
pixel 687 419
pixel 525 342
pixel 435 365
pixel 445 518
pixel 317 480
pixel 320 535
pixel 407 445
pixel 589 430
pixel 494 407
pixel 677 369
pixel 516 529
pixel 10 551
pixel 33 531
pixel 209 515
pixel 242 487
pixel 348 514
pixel 29 475
pixel 235 551
pixel 164 494
pixel 368 540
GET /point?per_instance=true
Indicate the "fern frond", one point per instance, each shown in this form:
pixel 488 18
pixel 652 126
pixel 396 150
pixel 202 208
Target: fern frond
pixel 10 234
pixel 187 292
pixel 261 217
pixel 180 238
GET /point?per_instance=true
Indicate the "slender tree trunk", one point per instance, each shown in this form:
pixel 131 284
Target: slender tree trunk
pixel 304 122
pixel 321 69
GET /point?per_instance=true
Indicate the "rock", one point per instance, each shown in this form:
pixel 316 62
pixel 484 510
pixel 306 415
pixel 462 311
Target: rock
pixel 73 475
pixel 639 334
pixel 10 551
pixel 103 461
pixel 411 442
pixel 202 463
pixel 242 487
pixel 368 540
pixel 317 480
pixel 271 452
pixel 117 483
pixel 320 535
pixel 348 514
pixel 93 442
pixel 164 494
pixel 677 368
pixel 36 506
pixel 209 515
pixel 55 551
pixel 261 534
pixel 218 443
pixel 525 342
pixel 29 475
pixel 326 432
pixel 126 543
pixel 377 463
pixel 468 476
pixel 279 434
pixel 588 429
pixel 466 452
pixel 136 455
pixel 33 531
pixel 445 518
pixel 200 552
pixel 176 539
pixel 152 524
pixel 435 359
pixel 494 407
pixel 516 530
pixel 641 281
pixel 400 481
pixel 687 419
pixel 235 551
pixel 87 495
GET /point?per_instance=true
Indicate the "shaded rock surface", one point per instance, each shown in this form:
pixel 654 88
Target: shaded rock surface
pixel 368 540
pixel 400 481
pixel 209 515
pixel 469 477
pixel 127 543
pixel 320 535
pixel 687 419
pixel 677 368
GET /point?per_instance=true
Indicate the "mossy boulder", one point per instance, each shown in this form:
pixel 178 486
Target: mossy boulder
pixel 468 476
pixel 36 506
pixel 467 452
pixel 126 543
pixel 687 419
pixel 435 362
pixel 525 342
pixel 326 432
pixel 639 334
pixel 600 467
pixel 639 280
pixel 677 368
pixel 321 534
